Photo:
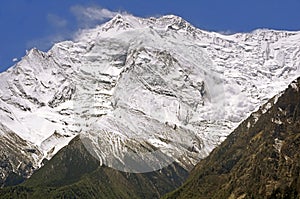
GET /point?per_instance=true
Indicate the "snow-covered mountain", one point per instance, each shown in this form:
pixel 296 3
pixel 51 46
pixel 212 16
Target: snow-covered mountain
pixel 155 90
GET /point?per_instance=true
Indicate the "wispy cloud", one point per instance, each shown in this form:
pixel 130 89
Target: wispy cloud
pixel 58 29
pixel 62 28
pixel 89 16
pixel 56 21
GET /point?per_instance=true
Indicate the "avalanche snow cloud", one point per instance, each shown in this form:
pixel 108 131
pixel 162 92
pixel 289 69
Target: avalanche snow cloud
pixel 142 93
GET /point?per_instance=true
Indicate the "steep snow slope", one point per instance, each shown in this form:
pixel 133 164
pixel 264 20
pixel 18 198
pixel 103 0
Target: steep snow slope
pixel 132 86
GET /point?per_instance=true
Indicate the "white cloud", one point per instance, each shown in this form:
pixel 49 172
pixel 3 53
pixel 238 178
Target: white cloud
pixel 56 21
pixel 58 32
pixel 63 28
pixel 88 16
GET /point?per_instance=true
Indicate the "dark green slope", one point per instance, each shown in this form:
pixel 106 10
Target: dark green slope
pixel 260 159
pixel 74 173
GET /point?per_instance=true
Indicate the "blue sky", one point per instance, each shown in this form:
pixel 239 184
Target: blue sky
pixel 39 23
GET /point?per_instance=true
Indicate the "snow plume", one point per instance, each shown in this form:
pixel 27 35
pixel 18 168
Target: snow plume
pixel 89 16
pixel 56 21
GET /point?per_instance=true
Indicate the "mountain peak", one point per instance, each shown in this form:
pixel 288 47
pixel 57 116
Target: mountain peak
pixel 173 22
pixel 171 18
pixel 126 21
pixel 121 22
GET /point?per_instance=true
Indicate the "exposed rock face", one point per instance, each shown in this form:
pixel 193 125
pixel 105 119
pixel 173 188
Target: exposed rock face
pixel 260 159
pixel 16 166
